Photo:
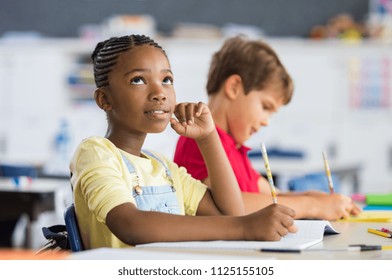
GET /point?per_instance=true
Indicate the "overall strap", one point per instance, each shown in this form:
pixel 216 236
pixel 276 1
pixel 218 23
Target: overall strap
pixel 168 173
pixel 132 171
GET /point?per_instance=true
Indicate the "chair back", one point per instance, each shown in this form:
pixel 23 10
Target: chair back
pixel 313 181
pixel 72 226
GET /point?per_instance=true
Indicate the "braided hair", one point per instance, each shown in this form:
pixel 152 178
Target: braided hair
pixel 106 52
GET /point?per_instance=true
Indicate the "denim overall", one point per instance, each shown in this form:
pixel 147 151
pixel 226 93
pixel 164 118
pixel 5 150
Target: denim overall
pixel 154 198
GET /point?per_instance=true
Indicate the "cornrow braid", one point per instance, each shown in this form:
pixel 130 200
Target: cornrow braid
pixel 106 52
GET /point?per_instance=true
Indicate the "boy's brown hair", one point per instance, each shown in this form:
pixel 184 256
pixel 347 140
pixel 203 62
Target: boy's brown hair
pixel 254 61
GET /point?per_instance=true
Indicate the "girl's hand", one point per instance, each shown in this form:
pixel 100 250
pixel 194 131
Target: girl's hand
pixel 270 223
pixel 194 120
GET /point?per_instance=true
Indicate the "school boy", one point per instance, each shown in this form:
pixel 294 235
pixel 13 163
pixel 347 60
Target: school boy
pixel 246 84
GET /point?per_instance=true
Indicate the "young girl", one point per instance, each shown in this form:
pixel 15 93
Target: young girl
pixel 247 83
pixel 124 195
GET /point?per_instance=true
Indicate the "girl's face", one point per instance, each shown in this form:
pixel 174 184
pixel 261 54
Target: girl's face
pixel 252 111
pixel 141 92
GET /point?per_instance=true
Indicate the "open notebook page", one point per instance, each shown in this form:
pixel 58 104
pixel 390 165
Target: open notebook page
pixel 309 232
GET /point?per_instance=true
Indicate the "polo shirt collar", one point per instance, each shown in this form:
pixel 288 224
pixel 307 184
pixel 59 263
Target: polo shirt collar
pixel 229 140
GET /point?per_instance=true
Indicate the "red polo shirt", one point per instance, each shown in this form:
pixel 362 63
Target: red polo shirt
pixel 187 154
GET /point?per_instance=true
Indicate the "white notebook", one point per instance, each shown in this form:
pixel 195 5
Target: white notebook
pixel 309 232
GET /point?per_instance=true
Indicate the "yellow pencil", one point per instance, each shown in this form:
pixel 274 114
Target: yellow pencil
pixel 328 172
pixel 379 232
pixel 269 173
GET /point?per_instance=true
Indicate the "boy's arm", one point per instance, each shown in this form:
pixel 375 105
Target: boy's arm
pixel 308 205
pixel 195 121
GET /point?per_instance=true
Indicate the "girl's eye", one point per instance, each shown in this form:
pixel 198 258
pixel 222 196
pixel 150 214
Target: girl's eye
pixel 266 107
pixel 137 81
pixel 167 81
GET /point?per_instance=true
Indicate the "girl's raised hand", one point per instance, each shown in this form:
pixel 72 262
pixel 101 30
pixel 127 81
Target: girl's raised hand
pixel 194 120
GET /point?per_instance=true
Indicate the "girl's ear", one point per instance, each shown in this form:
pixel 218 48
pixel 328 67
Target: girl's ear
pixel 233 86
pixel 102 100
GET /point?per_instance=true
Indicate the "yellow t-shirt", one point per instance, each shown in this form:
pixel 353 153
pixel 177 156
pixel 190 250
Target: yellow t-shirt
pixel 101 181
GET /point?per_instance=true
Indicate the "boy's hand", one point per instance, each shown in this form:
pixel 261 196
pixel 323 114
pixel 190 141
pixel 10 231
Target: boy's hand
pixel 194 120
pixel 333 206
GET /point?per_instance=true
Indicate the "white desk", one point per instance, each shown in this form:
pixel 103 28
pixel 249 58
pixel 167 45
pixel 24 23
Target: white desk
pixel 351 233
pixel 32 199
